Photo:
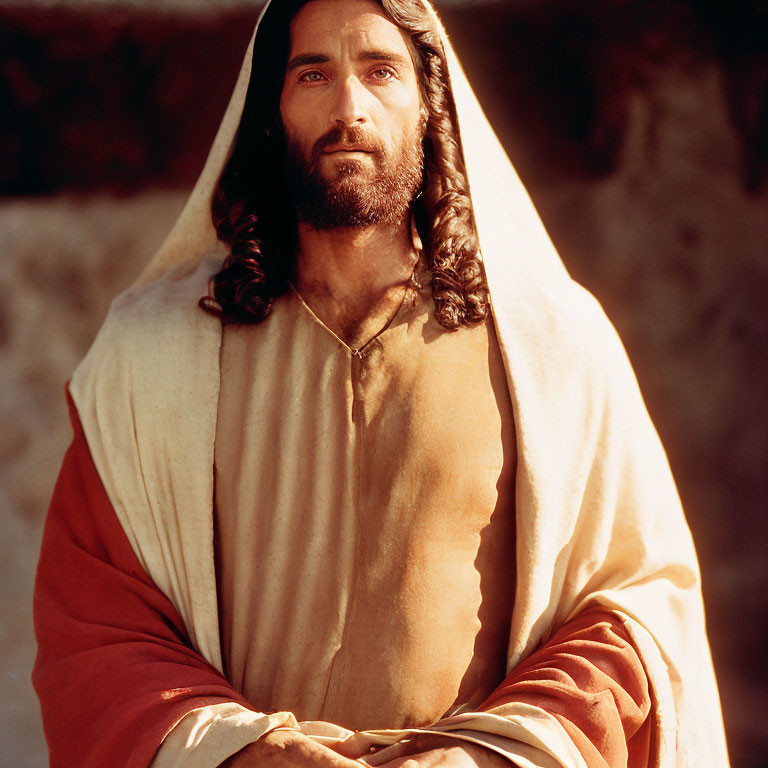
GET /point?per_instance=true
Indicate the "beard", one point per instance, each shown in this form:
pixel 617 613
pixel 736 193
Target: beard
pixel 359 194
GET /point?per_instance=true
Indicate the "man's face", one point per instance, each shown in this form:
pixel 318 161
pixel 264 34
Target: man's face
pixel 352 116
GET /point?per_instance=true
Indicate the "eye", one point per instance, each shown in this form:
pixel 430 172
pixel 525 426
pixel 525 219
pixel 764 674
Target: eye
pixel 312 76
pixel 382 74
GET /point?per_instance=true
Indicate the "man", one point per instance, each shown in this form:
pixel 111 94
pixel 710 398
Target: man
pixel 346 515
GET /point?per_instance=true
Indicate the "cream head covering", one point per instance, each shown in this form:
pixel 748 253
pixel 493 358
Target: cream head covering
pixel 598 516
pixel 502 206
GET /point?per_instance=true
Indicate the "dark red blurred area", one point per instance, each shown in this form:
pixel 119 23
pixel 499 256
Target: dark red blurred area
pixel 112 99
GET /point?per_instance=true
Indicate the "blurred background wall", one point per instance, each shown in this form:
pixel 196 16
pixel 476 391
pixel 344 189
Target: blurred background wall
pixel 641 131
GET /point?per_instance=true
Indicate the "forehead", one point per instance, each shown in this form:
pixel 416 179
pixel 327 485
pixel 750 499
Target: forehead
pixel 325 26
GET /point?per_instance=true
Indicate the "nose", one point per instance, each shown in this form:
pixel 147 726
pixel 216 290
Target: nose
pixel 349 107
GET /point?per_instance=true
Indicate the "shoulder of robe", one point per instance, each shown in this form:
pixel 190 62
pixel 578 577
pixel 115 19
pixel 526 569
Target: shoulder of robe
pixel 147 394
pixel 599 517
pixel 150 316
pixel 590 450
pixel 563 348
pixel 154 344
pixel 599 350
pixel 597 384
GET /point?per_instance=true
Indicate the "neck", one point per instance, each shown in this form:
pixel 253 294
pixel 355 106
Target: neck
pixel 349 263
pixel 354 278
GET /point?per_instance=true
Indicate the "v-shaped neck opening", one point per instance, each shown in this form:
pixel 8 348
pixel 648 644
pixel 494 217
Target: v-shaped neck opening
pixel 358 351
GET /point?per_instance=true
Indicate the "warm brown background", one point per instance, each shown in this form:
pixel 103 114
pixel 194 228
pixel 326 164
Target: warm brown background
pixel 641 130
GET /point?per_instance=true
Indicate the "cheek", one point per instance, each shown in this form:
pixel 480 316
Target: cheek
pixel 292 123
pixel 411 126
pixel 286 114
pixel 304 118
pixel 409 113
pixel 293 112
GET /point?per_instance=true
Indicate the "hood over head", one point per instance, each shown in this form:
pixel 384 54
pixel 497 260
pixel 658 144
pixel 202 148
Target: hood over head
pixel 511 236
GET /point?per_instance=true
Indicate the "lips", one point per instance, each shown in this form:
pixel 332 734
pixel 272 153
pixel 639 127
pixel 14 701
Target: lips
pixel 331 150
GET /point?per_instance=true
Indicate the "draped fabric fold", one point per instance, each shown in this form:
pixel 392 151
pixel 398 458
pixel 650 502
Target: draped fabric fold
pixel 115 670
pixel 590 678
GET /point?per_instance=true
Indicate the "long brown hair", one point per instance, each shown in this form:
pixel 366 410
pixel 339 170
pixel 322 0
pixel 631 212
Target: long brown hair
pixel 254 215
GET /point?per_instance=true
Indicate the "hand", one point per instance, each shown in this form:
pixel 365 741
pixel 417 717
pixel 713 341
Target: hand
pixel 433 750
pixel 287 749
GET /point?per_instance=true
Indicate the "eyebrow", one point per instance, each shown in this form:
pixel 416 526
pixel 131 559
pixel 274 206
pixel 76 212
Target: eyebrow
pixel 306 58
pixel 302 59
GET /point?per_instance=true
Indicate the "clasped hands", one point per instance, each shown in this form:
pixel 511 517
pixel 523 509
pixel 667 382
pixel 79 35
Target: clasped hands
pixel 291 749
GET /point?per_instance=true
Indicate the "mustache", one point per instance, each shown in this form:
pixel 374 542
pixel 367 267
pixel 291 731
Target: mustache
pixel 348 136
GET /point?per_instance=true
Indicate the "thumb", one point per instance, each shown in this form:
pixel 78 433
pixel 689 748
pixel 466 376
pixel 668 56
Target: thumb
pixel 355 746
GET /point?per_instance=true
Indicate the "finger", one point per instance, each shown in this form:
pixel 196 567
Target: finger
pixel 332 759
pixel 354 747
pixel 421 742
